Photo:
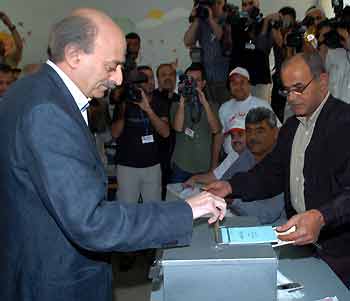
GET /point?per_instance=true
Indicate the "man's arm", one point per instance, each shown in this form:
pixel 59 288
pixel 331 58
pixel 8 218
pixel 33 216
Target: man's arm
pixel 213 120
pixel 161 125
pixel 118 121
pixel 266 179
pixel 69 178
pixel 218 140
pixel 191 35
pixel 204 178
pixel 16 37
pixel 214 25
pixel 179 118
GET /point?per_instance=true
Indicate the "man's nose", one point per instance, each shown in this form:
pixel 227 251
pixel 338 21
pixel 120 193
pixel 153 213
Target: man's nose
pixel 117 76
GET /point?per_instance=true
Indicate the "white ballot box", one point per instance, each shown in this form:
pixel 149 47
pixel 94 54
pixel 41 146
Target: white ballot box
pixel 206 270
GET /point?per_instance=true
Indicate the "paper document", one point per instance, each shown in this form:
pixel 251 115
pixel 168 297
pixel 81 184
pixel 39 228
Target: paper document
pixel 248 235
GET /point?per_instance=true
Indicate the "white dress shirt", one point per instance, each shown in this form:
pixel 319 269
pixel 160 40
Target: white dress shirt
pixel 80 99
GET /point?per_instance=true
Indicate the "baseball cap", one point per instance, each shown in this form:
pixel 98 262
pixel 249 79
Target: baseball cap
pixel 241 71
pixel 238 126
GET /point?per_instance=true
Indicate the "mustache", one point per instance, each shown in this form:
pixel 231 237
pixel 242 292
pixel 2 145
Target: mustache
pixel 253 142
pixel 110 84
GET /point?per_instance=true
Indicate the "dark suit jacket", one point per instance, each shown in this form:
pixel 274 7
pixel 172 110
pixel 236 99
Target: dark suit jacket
pixel 326 173
pixel 55 224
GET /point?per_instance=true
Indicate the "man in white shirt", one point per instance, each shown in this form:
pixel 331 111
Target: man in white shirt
pixel 237 107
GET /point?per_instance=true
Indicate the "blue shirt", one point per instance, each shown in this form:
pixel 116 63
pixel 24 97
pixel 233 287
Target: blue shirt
pixel 216 65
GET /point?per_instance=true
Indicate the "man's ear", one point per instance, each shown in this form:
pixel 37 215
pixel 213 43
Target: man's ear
pixel 324 80
pixel 204 83
pixel 72 55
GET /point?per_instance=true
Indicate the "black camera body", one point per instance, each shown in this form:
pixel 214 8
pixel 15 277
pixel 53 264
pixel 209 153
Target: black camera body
pixel 187 87
pixel 132 92
pixel 133 79
pixel 338 6
pixel 202 9
pixel 295 39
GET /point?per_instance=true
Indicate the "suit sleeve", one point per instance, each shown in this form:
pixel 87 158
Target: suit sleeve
pixel 336 211
pixel 72 186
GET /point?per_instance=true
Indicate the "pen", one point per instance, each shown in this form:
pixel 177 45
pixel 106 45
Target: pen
pixel 216 230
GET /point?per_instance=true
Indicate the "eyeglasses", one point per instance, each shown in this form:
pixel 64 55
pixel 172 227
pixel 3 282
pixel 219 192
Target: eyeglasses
pixel 296 90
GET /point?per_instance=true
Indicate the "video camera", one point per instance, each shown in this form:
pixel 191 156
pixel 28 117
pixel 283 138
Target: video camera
pixel 202 11
pixel 133 79
pixel 243 20
pixel 304 33
pixel 338 6
pixel 332 39
pixel 187 87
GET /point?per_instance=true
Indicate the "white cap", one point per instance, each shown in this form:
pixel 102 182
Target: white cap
pixel 239 124
pixel 241 71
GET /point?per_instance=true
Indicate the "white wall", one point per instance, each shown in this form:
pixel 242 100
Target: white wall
pixel 161 38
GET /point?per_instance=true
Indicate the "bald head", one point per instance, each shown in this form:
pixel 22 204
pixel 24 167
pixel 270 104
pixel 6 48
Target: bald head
pixel 90 49
pixel 306 82
pixel 311 61
pixel 81 29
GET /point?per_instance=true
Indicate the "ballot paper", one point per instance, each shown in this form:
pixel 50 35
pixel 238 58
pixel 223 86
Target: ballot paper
pixel 253 235
pixel 282 242
pixel 248 235
pixel 181 192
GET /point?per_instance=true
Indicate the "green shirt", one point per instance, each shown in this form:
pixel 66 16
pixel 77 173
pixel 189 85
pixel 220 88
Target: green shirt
pixel 193 154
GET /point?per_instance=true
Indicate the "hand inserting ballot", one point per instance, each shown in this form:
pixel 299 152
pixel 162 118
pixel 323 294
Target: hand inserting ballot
pixel 207 203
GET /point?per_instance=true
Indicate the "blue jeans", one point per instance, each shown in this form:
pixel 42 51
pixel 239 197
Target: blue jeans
pixel 179 175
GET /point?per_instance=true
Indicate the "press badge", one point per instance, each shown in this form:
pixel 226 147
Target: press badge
pixel 147 139
pixel 189 132
pixel 250 46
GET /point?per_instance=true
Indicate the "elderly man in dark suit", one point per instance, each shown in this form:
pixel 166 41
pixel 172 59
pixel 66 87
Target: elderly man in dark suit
pixel 310 164
pixel 56 228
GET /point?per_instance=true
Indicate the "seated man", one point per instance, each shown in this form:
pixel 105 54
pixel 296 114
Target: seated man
pixel 261 134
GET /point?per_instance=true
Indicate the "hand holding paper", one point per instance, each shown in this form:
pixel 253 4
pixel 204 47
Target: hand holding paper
pixel 308 226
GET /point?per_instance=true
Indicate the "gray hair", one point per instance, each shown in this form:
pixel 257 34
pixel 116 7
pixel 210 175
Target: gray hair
pixel 260 114
pixel 72 30
pixel 313 60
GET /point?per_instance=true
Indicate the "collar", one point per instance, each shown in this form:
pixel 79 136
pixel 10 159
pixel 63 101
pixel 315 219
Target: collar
pixel 81 100
pixel 247 99
pixel 312 119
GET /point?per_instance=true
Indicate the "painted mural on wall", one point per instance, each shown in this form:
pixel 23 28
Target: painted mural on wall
pixel 7 39
pixel 155 42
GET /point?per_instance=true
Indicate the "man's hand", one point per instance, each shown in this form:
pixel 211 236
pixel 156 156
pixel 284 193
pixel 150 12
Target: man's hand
pixel 189 183
pixel 203 100
pixel 144 103
pixel 219 188
pixel 5 19
pixel 308 226
pixel 207 203
pixel 273 17
pixel 210 14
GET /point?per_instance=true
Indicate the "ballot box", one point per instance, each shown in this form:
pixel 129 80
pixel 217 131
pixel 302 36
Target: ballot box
pixel 206 270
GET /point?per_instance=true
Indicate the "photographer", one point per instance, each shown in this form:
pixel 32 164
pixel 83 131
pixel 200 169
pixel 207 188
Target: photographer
pixel 195 121
pixel 334 47
pixel 139 123
pixel 252 40
pixel 207 27
pixel 285 24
